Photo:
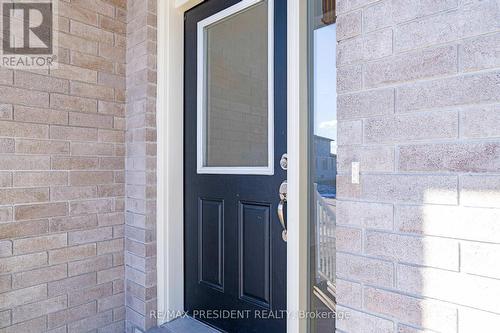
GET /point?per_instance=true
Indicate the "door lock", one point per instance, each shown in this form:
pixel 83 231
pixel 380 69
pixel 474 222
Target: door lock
pixel 284 161
pixel 281 209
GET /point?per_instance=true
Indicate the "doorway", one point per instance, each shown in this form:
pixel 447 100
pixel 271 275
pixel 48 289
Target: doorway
pixel 235 139
pixel 171 96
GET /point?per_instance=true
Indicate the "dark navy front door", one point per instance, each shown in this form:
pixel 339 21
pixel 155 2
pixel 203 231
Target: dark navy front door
pixel 235 136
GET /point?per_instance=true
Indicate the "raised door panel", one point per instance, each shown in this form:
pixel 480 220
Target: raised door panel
pixel 254 253
pixel 211 240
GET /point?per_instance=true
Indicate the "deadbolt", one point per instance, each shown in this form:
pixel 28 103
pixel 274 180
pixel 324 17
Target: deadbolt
pixel 284 161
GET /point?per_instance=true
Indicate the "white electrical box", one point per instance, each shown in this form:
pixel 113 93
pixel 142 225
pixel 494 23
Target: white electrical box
pixel 355 173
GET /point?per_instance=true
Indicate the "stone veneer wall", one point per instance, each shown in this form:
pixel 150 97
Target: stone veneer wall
pixel 419 107
pixel 62 180
pixel 140 225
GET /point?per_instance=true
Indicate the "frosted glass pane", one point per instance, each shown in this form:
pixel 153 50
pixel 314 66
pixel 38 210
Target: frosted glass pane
pixel 237 90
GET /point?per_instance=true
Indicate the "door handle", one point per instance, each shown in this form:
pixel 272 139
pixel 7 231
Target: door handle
pixel 281 209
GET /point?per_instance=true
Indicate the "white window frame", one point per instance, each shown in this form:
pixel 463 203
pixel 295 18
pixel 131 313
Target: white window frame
pixel 170 163
pixel 202 91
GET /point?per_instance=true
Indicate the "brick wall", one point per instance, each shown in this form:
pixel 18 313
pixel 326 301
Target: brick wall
pixel 140 228
pixel 419 107
pixel 62 180
pixel 418 239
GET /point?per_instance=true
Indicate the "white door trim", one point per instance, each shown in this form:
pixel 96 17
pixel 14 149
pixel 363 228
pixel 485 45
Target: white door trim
pixel 297 173
pixel 170 151
pixel 170 109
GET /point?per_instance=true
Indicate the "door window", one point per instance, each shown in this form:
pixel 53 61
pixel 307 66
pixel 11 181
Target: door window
pixel 235 95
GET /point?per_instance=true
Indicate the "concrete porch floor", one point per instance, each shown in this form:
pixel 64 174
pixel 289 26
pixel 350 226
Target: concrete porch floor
pixel 184 325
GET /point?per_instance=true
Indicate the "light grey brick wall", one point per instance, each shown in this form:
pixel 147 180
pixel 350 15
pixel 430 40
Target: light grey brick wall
pixel 418 239
pixel 140 222
pixel 62 180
